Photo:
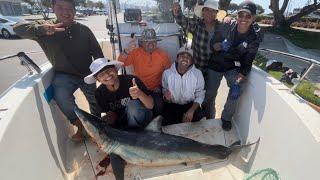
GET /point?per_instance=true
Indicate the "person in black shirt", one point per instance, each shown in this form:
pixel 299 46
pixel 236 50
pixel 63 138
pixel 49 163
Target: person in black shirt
pixel 70 47
pixel 233 53
pixel 124 98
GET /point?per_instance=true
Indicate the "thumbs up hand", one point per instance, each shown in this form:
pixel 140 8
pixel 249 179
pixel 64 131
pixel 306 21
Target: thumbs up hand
pixel 134 91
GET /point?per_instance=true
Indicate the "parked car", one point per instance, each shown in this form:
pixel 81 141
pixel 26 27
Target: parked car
pixel 6 24
pixel 36 11
pixel 79 14
pixel 101 12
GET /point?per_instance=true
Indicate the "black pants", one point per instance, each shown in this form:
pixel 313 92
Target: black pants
pixel 158 102
pixel 173 113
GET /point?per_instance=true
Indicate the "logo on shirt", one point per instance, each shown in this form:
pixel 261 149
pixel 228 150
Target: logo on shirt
pixel 120 104
pixel 245 44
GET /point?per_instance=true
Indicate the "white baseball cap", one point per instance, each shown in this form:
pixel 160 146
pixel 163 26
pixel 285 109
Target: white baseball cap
pixel 212 4
pixel 97 65
pixel 184 49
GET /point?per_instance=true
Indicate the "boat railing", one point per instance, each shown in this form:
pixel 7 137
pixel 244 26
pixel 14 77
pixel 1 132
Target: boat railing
pixel 308 71
pixel 25 61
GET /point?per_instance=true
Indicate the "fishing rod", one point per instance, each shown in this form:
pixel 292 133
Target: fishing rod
pixel 118 31
pixel 109 25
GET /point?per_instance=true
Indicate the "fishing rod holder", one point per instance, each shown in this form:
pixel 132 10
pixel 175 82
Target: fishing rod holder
pixel 25 61
pixel 28 63
pixel 30 71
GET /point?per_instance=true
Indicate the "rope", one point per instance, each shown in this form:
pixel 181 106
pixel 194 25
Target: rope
pixel 91 163
pixel 263 174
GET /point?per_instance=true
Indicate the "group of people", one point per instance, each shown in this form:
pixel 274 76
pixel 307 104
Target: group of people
pixel 182 91
pixel 222 49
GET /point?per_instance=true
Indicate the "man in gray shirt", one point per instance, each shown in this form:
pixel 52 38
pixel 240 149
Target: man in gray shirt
pixel 70 47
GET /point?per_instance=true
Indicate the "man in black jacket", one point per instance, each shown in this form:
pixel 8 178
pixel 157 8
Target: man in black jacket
pixel 233 53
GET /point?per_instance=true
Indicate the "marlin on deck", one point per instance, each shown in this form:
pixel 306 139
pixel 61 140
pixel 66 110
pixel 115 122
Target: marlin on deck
pixel 151 147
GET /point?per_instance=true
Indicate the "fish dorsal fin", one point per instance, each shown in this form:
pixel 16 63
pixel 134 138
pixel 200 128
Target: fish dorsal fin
pixel 155 124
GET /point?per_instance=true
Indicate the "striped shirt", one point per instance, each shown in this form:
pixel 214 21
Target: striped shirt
pixel 200 40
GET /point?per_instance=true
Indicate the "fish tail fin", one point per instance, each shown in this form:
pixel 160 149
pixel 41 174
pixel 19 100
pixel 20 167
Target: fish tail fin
pixel 236 145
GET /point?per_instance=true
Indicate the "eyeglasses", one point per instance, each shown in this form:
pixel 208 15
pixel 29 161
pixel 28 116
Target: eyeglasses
pixel 244 15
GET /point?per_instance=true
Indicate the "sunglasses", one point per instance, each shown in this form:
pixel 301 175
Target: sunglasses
pixel 244 16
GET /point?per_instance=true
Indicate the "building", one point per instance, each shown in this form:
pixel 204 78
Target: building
pixel 11 7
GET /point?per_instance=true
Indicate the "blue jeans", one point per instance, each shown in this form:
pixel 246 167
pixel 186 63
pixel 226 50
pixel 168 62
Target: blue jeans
pixel 64 86
pixel 212 84
pixel 138 116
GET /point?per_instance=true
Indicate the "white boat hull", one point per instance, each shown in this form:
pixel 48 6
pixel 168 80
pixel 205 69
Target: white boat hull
pixel 34 141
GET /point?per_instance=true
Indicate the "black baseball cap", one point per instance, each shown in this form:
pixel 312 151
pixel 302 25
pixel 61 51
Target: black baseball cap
pixel 249 7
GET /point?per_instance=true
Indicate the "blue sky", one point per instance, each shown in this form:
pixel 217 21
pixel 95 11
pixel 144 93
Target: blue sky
pixel 265 4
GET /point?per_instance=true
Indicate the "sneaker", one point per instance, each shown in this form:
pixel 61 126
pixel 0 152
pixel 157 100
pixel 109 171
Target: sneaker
pixel 226 125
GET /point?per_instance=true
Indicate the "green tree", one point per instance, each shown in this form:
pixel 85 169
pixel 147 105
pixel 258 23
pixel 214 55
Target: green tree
pixel 46 3
pixel 99 5
pixel 260 9
pixel 90 4
pixel 80 2
pixel 233 7
pixel 224 4
pixel 278 13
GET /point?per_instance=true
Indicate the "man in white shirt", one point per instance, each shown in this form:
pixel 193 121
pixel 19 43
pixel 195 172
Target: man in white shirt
pixel 183 90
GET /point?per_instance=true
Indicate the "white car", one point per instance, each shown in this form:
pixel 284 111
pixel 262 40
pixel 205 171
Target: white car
pixel 6 24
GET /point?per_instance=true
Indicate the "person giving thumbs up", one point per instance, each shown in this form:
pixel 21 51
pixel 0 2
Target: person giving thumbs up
pixel 136 93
